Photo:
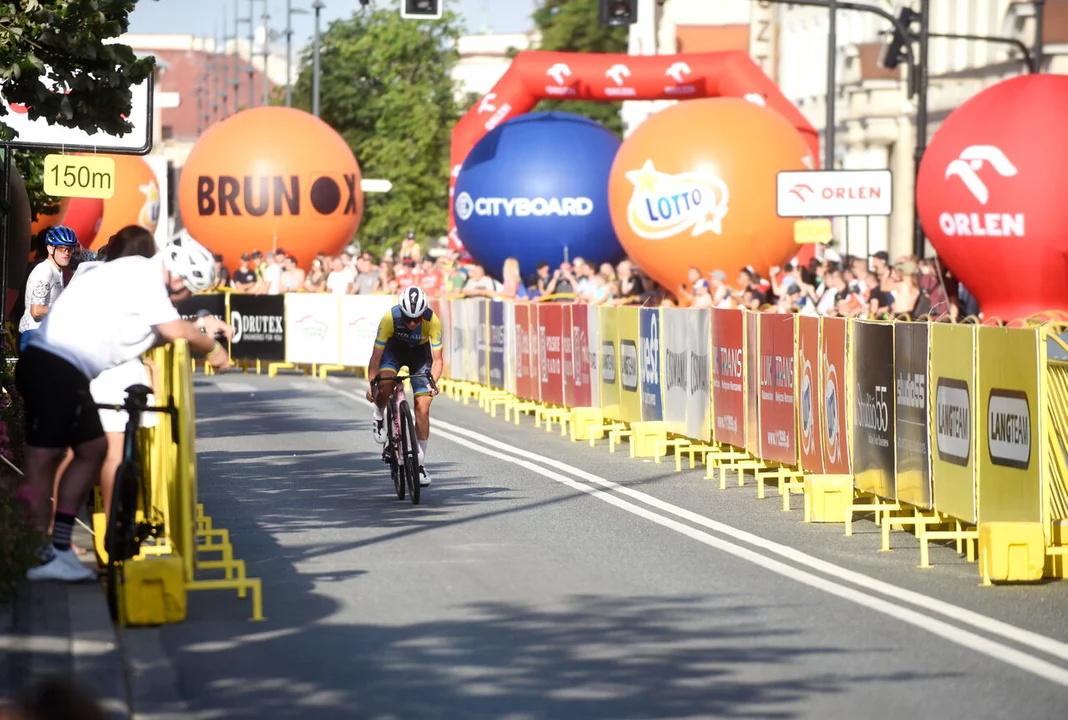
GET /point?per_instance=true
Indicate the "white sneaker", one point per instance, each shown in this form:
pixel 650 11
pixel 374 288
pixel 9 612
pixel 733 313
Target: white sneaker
pixel 424 478
pixel 378 429
pixel 61 565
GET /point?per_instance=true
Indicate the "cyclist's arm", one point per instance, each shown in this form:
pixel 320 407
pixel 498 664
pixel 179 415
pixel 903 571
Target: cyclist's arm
pixel 374 364
pixel 184 330
pixel 437 364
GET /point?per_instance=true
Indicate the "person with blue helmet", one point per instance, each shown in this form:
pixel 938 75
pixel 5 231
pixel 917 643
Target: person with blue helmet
pixel 45 282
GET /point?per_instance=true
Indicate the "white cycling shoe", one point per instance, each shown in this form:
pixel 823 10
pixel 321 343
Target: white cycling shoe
pixel 378 429
pixel 424 478
pixel 61 565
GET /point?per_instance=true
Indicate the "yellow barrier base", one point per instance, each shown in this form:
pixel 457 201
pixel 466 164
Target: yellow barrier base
pixel 273 368
pixel 153 591
pixel 211 539
pixel 325 370
pixel 827 498
pixel 644 436
pixel 966 539
pixel 719 455
pixel 519 406
pixel 1011 552
pixel 787 479
pixel 919 519
pixel 597 432
pixel 1057 556
pixel 549 415
pixel 582 420
pixel 873 504
pixel 740 463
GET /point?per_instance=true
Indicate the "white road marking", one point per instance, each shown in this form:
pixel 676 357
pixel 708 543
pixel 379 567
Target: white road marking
pixel 230 386
pixel 962 637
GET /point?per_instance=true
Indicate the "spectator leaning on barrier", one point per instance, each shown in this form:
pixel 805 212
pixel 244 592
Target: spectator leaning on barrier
pixel 292 277
pixel 114 314
pixel 244 280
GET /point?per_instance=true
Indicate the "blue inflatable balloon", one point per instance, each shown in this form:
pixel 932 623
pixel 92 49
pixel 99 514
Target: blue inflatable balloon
pixel 536 187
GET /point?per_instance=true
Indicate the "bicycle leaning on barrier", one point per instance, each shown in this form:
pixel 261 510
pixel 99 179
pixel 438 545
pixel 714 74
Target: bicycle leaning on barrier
pixel 126 532
pixel 401 450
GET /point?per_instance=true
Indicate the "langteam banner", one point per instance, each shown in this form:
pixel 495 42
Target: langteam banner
pixel 609 357
pixel 778 416
pixel 497 363
pixel 833 382
pixel 629 366
pixel 874 443
pixel 752 382
pixel 259 327
pixel 1010 426
pixel 649 319
pixel 953 465
pixel 808 393
pixel 913 448
pixel 728 377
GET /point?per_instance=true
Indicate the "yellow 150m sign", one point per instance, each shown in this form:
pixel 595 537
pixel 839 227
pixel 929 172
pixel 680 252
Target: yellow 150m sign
pixel 79 176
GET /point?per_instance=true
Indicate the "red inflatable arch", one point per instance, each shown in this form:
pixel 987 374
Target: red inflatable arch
pixel 535 75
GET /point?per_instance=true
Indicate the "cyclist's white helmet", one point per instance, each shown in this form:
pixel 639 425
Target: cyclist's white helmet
pixel 413 302
pixel 191 261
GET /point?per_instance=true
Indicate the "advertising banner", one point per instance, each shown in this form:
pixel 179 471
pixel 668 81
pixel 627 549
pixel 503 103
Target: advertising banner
pixel 609 356
pixel 360 317
pixel 259 327
pixel 497 365
pixel 677 329
pixel 728 376
pixel 482 341
pixel 214 303
pixel 808 395
pixel 913 414
pixel 1010 425
pixel 698 347
pixel 567 355
pixel 752 382
pixel 475 345
pixel 874 427
pixel 593 343
pixel 534 353
pixel 508 312
pixel 833 383
pixel 550 353
pixel 523 376
pixel 649 320
pixel 458 339
pixel 444 310
pixel 580 358
pixel 628 367
pixel 313 332
pixel 778 416
pixel 953 464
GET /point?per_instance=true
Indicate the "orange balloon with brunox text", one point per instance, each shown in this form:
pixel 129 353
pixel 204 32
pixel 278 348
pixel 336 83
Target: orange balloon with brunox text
pixel 694 186
pixel 271 178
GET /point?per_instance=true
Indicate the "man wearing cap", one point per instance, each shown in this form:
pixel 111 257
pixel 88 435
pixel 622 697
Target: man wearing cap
pixel 244 278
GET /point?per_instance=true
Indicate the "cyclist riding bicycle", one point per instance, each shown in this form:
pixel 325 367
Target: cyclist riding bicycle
pixel 45 282
pixel 409 334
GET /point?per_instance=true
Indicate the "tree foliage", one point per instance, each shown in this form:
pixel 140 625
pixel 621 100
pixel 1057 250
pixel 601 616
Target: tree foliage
pixel 574 26
pixel 54 61
pixel 386 87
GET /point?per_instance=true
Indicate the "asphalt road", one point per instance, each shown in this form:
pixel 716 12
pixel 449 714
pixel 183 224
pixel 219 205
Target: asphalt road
pixel 544 579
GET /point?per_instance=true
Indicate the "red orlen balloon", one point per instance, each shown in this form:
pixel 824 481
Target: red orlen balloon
pixel 990 194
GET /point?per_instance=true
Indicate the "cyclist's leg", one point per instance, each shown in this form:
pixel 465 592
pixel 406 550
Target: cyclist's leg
pixel 386 370
pixel 423 398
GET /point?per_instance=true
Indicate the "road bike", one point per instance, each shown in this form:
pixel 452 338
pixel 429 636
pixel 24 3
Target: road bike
pixel 401 451
pixel 125 530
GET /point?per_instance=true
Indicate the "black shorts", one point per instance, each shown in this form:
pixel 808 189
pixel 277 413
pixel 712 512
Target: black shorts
pixel 59 406
pixel 417 358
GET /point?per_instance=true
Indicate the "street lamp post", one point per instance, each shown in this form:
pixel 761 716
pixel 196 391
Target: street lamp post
pixel 832 95
pixel 290 12
pixel 318 6
pixel 1040 11
pixel 266 54
pixel 251 42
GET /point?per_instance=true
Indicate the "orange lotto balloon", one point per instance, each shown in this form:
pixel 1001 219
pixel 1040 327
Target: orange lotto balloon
pixel 694 186
pixel 135 202
pixel 271 177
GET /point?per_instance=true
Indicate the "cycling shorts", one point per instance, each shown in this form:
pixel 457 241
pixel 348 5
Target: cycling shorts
pixel 417 359
pixel 59 406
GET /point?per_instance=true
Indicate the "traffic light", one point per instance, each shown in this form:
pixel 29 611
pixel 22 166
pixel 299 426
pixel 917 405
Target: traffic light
pixel 894 50
pixel 619 12
pixel 422 9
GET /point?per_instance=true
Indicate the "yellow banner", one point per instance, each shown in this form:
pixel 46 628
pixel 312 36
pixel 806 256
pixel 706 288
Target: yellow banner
pixel 1010 459
pixel 608 355
pixel 628 325
pixel 953 423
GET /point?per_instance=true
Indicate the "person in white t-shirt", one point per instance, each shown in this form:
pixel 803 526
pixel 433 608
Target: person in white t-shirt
pixel 114 313
pixel 45 282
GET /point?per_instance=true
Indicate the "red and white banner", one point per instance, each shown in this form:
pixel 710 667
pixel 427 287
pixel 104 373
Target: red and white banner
pixel 728 377
pixel 833 385
pixel 550 353
pixel 778 415
pixel 809 403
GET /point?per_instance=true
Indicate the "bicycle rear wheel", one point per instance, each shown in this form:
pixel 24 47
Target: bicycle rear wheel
pixel 411 452
pixel 120 538
pixel 396 470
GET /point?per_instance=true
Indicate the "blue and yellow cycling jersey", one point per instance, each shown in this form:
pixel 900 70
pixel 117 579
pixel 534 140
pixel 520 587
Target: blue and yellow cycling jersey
pixel 394 330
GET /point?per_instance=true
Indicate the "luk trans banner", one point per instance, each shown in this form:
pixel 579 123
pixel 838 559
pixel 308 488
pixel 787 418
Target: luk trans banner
pixel 913 414
pixel 778 416
pixel 834 379
pixel 259 327
pixel 953 464
pixel 652 408
pixel 1010 425
pixel 728 376
pixel 873 415
pixel 808 395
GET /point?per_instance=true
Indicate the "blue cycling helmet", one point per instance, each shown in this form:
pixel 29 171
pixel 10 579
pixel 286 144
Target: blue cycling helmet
pixel 61 236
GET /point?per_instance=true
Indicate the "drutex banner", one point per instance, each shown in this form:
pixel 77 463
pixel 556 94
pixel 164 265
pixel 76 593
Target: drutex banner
pixel 873 415
pixel 728 377
pixel 259 327
pixel 913 414
pixel 778 416
pixel 809 395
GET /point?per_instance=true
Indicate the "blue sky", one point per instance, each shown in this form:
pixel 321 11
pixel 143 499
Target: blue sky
pixel 203 17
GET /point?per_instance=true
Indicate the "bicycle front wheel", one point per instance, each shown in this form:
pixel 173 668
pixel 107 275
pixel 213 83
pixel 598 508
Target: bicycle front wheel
pixel 120 538
pixel 396 470
pixel 411 452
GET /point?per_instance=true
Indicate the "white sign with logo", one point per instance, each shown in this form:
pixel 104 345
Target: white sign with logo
pixel 360 316
pixel 834 193
pixel 966 168
pixel 687 371
pixel 313 333
pixel 664 205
